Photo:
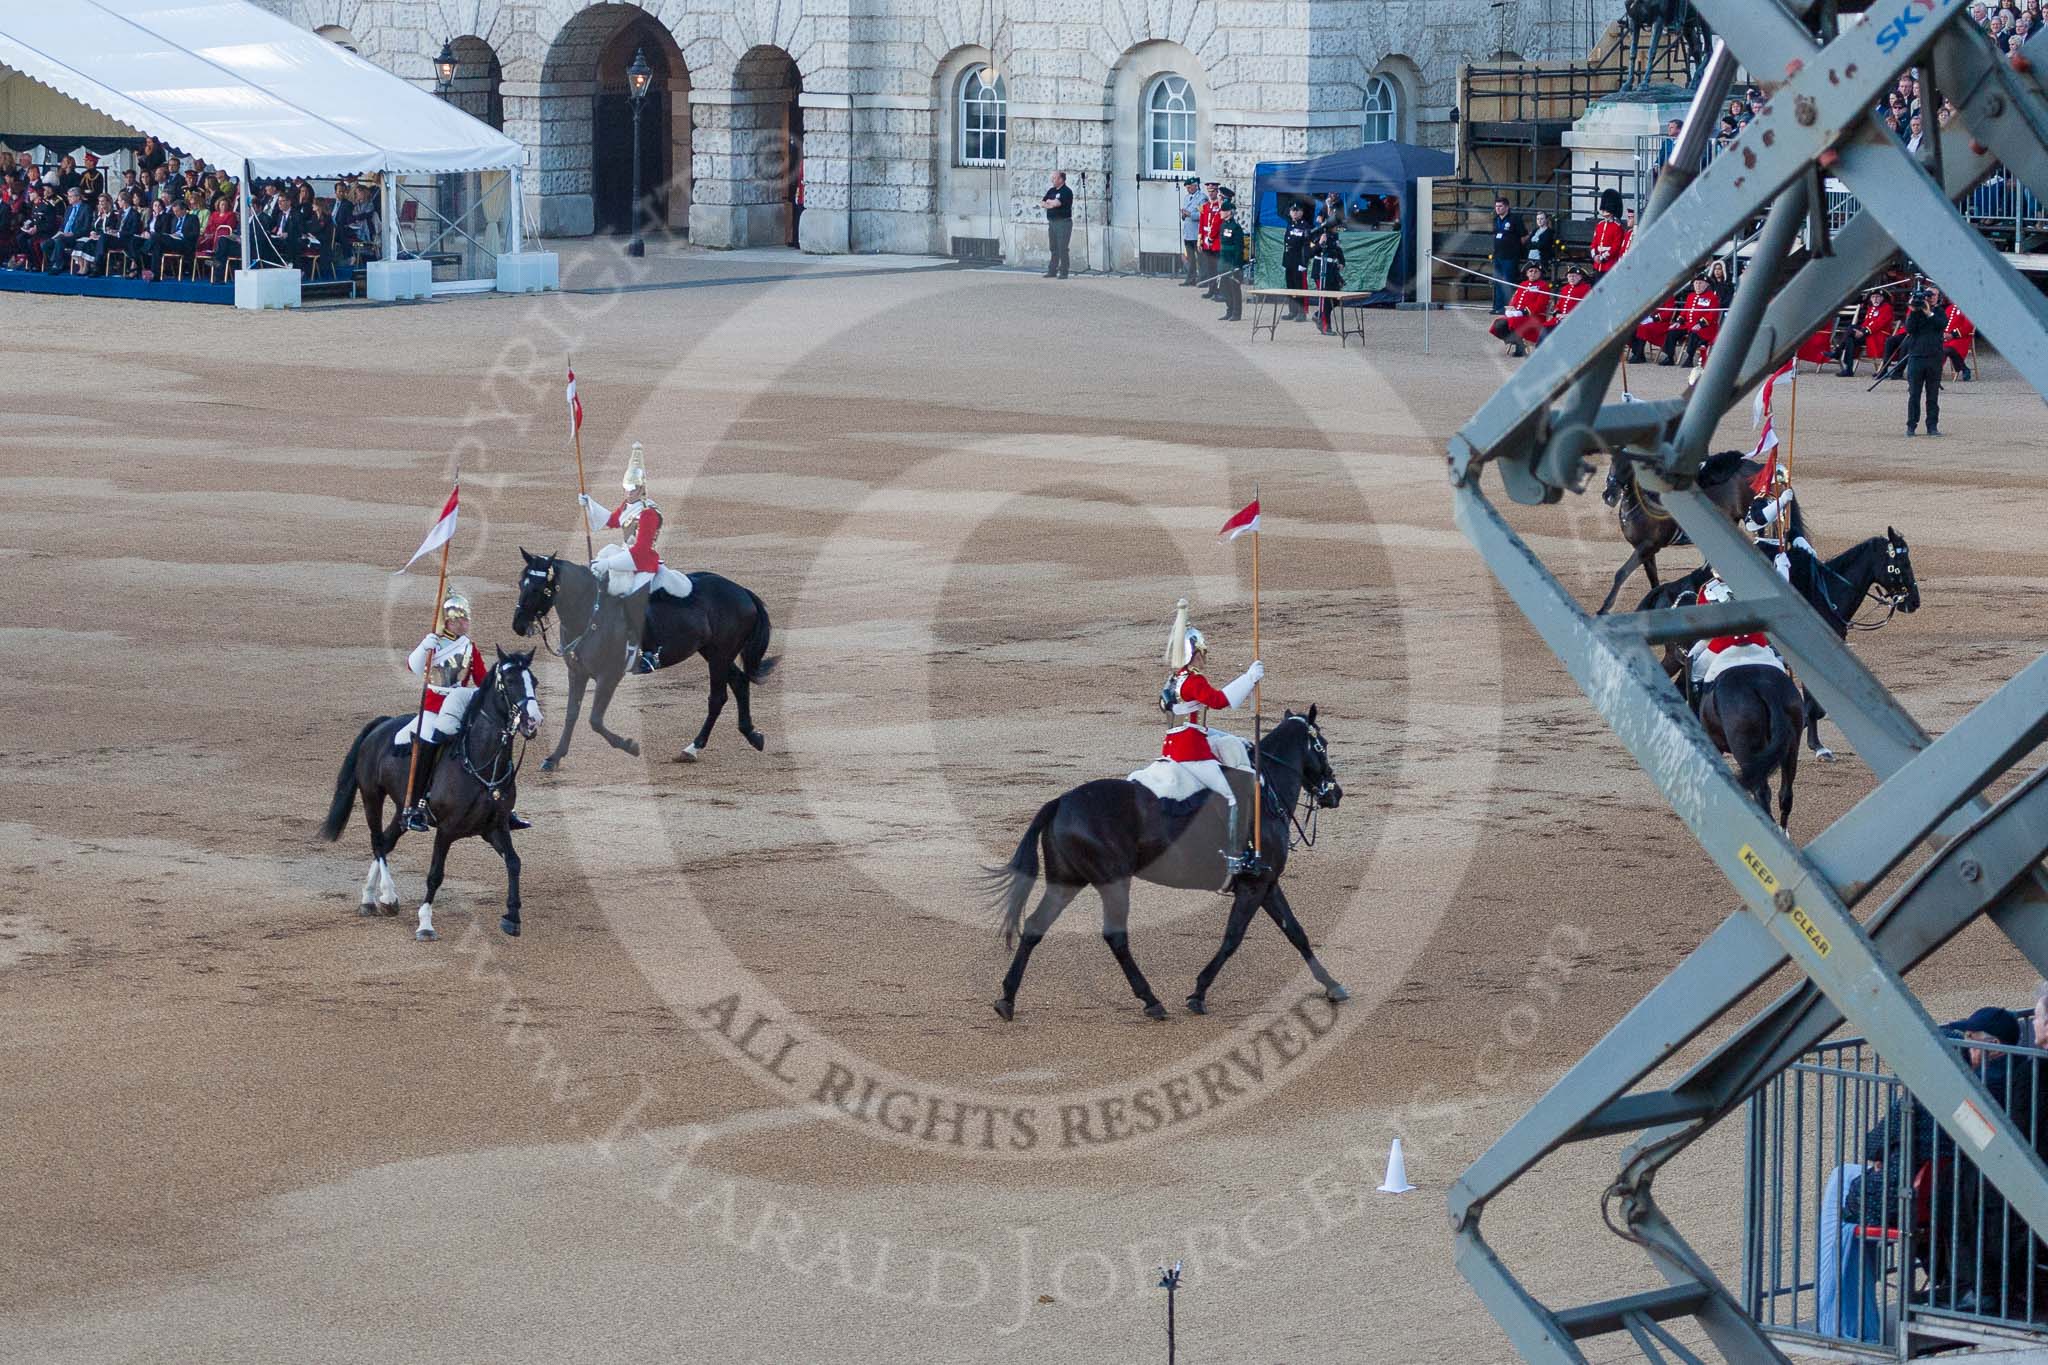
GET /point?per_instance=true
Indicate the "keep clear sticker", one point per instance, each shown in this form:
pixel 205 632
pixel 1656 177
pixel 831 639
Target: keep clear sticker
pixel 1975 1126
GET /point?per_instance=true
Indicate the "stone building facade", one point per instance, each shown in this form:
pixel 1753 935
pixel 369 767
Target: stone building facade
pixel 930 125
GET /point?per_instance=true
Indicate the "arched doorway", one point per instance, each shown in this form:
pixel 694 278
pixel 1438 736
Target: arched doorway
pixel 479 85
pixel 768 141
pixel 586 126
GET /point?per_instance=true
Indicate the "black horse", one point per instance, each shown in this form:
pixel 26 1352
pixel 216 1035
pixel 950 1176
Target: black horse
pixel 1104 833
pixel 1837 588
pixel 1675 21
pixel 1753 713
pixel 720 620
pixel 472 792
pixel 1725 477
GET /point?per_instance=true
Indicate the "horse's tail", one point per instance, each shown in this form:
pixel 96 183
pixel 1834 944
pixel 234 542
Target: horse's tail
pixel 1010 884
pixel 754 657
pixel 345 785
pixel 1779 735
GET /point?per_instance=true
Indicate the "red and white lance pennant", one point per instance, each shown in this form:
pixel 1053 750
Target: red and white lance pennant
pixel 575 408
pixel 1247 519
pixel 443 532
pixel 1767 442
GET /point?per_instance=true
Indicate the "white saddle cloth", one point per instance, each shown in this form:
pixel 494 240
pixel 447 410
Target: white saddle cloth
pixel 1171 781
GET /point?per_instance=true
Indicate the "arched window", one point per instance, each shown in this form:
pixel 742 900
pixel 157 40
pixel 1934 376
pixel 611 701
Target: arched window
pixel 1170 127
pixel 984 118
pixel 1382 110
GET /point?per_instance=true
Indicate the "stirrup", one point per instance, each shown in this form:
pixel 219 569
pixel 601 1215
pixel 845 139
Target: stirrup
pixel 418 818
pixel 1245 864
pixel 642 660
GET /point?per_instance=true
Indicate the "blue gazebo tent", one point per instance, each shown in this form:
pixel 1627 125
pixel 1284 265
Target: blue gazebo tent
pixel 1378 255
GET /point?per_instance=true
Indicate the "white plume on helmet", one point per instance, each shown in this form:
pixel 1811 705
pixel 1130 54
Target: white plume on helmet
pixel 636 469
pixel 1184 639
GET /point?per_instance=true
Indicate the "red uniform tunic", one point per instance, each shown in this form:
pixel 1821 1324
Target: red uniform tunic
pixel 1877 325
pixel 472 676
pixel 645 560
pixel 1187 742
pixel 1209 227
pixel 1567 299
pixel 1701 316
pixel 1959 335
pixel 1610 239
pixel 1653 330
pixel 1528 312
pixel 1819 348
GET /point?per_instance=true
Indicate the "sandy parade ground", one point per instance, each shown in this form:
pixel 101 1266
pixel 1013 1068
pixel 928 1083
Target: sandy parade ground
pixel 737 1092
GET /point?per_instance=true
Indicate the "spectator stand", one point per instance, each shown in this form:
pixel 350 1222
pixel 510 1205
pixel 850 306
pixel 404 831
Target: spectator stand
pixel 1894 1257
pixel 252 93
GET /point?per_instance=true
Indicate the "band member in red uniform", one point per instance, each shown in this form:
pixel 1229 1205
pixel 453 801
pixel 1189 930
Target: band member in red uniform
pixel 1867 334
pixel 1609 234
pixel 1522 325
pixel 1958 337
pixel 1655 329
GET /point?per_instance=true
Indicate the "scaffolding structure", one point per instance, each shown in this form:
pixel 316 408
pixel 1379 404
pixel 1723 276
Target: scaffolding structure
pixel 1540 432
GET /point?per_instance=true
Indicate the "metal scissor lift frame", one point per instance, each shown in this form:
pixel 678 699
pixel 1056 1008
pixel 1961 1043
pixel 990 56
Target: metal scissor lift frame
pixel 1539 430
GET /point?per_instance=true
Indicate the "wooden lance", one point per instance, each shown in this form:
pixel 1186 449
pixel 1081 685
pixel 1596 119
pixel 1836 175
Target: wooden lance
pixel 582 491
pixel 1258 779
pixel 412 768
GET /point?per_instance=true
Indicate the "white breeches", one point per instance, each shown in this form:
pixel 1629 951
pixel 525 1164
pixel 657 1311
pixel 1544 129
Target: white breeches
pixel 446 721
pixel 1209 773
pixel 615 564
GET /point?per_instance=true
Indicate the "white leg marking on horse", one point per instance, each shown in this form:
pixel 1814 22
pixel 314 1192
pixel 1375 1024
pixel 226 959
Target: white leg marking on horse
pixel 371 884
pixel 388 885
pixel 425 933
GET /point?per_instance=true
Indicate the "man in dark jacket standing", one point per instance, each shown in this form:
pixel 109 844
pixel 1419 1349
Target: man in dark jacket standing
pixel 1924 337
pixel 1509 245
pixel 1058 203
pixel 1230 252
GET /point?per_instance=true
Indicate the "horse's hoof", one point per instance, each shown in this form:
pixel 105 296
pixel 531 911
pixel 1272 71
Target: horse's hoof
pixel 1007 1009
pixel 509 925
pixel 687 756
pixel 390 909
pixel 1335 993
pixel 632 746
pixel 1155 1010
pixel 1196 1005
pixel 549 764
pixel 366 910
pixel 424 935
pixel 1823 755
pixel 757 739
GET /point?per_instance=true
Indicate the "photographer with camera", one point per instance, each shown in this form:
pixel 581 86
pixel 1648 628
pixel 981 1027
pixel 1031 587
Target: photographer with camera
pixel 1924 337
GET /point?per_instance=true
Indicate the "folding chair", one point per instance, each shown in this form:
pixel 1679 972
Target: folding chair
pixel 409 217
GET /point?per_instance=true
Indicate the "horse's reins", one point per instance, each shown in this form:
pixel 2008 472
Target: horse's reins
pixel 506 735
pixel 1891 606
pixel 1300 837
pixel 540 619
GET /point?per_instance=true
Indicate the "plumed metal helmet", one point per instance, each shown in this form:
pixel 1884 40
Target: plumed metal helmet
pixel 1183 640
pixel 454 604
pixel 636 469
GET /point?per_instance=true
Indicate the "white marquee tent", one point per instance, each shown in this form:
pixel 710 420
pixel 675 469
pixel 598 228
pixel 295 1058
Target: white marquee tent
pixel 244 88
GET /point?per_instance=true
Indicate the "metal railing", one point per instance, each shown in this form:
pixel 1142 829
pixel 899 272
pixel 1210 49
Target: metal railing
pixel 1866 1231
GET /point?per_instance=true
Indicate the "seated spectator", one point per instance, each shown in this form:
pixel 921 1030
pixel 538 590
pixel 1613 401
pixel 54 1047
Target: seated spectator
pixel 132 233
pixel 76 223
pixel 1695 327
pixel 1574 292
pixel 221 241
pixel 89 253
pixel 317 242
pixel 1521 325
pixel 363 224
pixel 1718 281
pixel 182 241
pixel 150 158
pixel 1867 333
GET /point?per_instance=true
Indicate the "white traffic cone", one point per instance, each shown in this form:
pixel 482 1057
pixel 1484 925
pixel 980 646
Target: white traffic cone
pixel 1397 1172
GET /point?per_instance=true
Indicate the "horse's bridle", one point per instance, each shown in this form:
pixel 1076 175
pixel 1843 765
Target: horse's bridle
pixel 1302 836
pixel 540 618
pixel 1891 597
pixel 507 765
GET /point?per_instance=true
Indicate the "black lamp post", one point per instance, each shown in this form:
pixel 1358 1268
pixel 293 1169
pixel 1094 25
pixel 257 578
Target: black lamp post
pixel 444 69
pixel 639 76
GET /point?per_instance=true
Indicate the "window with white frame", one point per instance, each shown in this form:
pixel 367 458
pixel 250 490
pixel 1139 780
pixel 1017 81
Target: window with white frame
pixel 1170 127
pixel 984 118
pixel 1382 110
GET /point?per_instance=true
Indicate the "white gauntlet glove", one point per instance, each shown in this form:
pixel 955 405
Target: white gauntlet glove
pixel 1240 688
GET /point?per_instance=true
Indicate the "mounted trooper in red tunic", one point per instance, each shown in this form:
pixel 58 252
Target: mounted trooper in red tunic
pixel 631 570
pixel 1189 697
